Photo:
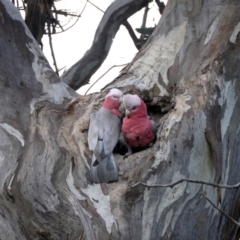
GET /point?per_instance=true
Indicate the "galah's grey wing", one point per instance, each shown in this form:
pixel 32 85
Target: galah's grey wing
pixel 93 132
pixel 103 135
pixel 111 133
pixel 95 135
pixel 107 170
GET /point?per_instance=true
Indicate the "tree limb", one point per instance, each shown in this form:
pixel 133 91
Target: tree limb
pixel 118 12
pixel 128 27
pixel 132 34
pixel 188 180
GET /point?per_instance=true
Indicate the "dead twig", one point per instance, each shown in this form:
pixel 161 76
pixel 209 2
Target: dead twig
pixel 188 180
pixel 228 217
pixel 198 182
pixel 95 6
pixel 64 13
pixel 104 75
pixel 77 16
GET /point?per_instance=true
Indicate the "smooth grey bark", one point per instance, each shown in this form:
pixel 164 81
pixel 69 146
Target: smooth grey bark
pixel 188 71
pixel 116 14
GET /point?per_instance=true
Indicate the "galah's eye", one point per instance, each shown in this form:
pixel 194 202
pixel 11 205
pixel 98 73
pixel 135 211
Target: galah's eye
pixel 115 96
pixel 133 108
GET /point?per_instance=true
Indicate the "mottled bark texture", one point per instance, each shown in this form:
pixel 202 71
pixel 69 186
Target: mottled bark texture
pixel 188 71
pixel 116 14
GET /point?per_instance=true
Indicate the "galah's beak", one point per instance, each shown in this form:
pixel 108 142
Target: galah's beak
pixel 127 112
pixel 121 99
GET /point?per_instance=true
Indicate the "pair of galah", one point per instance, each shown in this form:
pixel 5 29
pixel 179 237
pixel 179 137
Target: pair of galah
pixel 105 128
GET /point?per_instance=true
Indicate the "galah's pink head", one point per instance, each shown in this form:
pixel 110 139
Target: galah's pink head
pixel 134 105
pixel 112 99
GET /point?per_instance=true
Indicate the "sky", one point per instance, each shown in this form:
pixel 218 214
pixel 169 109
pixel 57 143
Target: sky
pixel 72 44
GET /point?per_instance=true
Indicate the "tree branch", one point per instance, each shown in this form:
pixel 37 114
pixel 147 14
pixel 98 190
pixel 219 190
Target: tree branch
pixel 188 180
pixel 104 75
pixel 77 16
pixel 128 27
pixel 118 12
pixel 96 6
pixel 161 6
pixel 64 13
pixel 228 217
pixel 132 34
pixel 144 20
pixel 51 47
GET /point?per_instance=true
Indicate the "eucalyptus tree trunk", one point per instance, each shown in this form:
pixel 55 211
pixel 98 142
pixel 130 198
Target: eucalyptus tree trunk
pixel 187 73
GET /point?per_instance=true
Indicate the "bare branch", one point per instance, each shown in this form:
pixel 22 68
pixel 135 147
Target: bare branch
pixel 51 47
pixel 188 180
pixel 80 73
pixel 64 13
pixel 161 6
pixel 132 34
pixel 144 20
pixel 228 217
pixel 104 75
pixel 128 27
pixel 95 6
pixel 78 16
pixel 60 69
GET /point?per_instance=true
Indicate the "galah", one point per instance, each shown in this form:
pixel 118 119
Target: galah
pixel 138 129
pixel 103 134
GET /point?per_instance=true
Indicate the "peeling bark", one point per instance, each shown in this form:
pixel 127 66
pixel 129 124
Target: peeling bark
pixel 187 73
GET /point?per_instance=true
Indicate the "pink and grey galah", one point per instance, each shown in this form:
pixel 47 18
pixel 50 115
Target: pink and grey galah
pixel 138 129
pixel 103 135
